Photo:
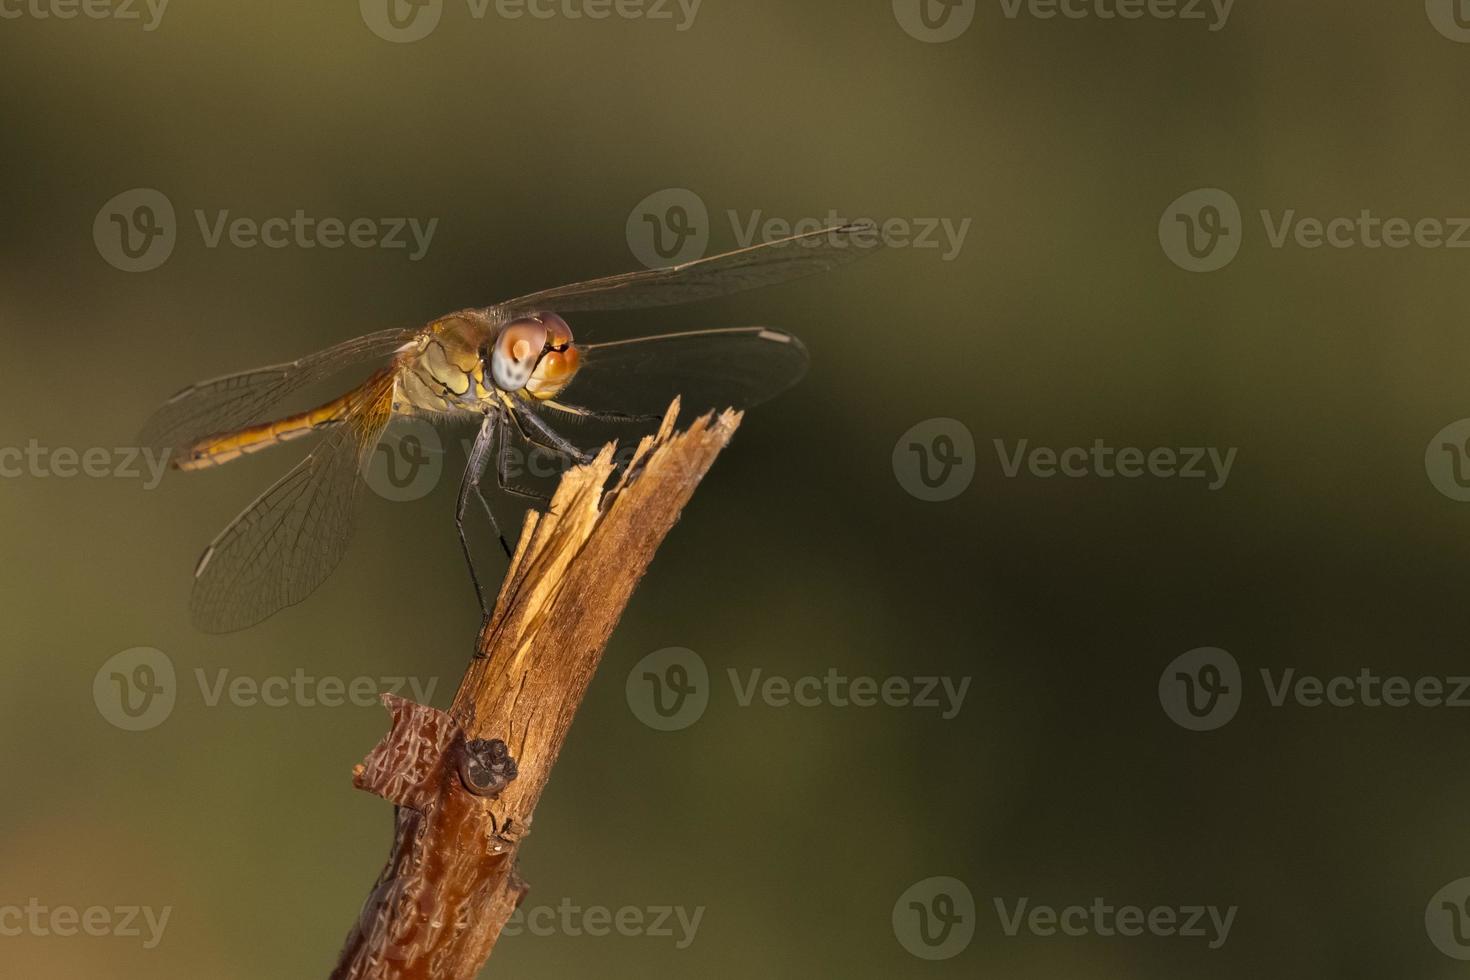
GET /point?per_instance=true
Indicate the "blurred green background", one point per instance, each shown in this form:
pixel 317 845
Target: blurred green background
pixel 1061 320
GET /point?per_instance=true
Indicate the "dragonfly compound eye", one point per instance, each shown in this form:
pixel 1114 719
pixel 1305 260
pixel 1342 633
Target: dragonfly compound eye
pixel 557 366
pixel 517 350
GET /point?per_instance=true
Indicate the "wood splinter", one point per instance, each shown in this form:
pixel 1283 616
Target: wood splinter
pixel 465 783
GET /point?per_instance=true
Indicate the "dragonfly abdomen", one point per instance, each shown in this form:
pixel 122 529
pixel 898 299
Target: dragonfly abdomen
pixel 222 448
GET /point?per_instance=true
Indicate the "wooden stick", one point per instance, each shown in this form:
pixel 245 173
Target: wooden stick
pixel 465 783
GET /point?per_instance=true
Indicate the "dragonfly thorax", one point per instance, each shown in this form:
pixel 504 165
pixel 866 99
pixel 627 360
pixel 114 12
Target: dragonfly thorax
pixel 444 372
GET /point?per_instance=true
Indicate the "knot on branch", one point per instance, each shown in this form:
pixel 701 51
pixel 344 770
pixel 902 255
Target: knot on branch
pixel 486 766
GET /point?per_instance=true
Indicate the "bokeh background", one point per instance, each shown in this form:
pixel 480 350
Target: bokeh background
pixel 1060 320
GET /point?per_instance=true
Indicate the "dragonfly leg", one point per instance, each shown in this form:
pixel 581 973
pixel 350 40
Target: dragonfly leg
pixel 502 468
pixel 589 413
pixel 479 458
pixel 524 419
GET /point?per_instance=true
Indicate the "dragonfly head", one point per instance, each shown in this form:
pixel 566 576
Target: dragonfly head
pixel 534 353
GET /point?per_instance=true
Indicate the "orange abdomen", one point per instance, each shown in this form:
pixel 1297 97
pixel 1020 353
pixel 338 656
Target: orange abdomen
pixel 222 448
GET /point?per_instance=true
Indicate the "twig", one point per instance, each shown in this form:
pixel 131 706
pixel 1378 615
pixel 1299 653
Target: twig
pixel 465 783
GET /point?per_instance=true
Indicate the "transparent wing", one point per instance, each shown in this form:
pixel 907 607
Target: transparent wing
pixel 288 541
pixel 735 367
pixel 718 275
pixel 239 400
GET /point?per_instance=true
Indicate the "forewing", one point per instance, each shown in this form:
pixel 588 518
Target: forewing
pixel 734 367
pixel 288 541
pixel 732 272
pixel 238 400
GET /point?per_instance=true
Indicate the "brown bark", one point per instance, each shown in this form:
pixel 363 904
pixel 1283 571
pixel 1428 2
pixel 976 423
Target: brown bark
pixel 465 783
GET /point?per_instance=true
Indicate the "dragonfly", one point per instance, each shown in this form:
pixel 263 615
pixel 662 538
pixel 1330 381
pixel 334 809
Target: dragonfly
pixel 513 367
